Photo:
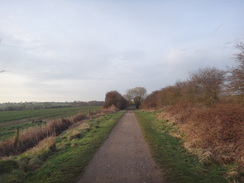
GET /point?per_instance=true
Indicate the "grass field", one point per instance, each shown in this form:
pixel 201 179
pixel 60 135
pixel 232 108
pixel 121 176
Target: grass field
pixel 178 164
pixel 53 113
pixel 62 158
pixel 10 120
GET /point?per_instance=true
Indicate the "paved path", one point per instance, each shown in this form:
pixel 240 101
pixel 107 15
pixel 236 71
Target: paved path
pixel 124 157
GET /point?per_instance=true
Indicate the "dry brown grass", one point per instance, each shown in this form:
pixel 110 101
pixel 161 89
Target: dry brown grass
pixel 79 117
pixel 110 109
pixel 43 146
pixel 216 131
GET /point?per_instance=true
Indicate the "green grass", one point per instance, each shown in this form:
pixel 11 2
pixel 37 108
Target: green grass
pixel 9 118
pixel 178 164
pixel 65 163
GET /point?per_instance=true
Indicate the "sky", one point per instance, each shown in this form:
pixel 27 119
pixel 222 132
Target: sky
pixel 70 50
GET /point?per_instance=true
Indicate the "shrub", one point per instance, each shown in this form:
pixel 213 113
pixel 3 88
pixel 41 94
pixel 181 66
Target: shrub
pixel 114 98
pixel 151 101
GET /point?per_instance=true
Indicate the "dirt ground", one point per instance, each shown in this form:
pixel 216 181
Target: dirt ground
pixel 124 157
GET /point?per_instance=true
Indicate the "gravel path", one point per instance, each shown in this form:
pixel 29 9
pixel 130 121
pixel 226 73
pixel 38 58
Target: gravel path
pixel 124 157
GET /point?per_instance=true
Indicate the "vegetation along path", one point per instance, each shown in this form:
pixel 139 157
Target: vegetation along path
pixel 124 157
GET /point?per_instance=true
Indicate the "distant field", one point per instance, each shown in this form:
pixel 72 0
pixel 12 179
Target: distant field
pixel 10 120
pixel 53 113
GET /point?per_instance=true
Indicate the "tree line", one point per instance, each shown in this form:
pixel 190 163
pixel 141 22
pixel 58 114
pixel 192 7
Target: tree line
pixel 13 106
pixel 206 86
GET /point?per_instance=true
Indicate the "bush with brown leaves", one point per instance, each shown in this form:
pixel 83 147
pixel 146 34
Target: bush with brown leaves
pixel 218 129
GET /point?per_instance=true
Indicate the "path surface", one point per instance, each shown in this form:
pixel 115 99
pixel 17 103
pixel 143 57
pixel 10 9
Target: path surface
pixel 124 157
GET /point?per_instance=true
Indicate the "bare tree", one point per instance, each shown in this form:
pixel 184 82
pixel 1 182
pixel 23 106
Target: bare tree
pixel 136 95
pixel 206 84
pixel 236 77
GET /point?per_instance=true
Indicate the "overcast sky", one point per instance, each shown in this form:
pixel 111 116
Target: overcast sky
pixel 66 50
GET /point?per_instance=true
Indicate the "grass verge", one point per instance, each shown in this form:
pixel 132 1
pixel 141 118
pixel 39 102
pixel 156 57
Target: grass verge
pixel 63 159
pixel 178 164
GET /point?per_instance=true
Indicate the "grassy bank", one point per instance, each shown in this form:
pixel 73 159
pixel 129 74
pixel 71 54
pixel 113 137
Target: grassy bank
pixel 167 148
pixel 60 159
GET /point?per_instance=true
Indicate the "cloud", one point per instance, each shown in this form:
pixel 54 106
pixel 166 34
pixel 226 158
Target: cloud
pixel 79 50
